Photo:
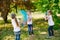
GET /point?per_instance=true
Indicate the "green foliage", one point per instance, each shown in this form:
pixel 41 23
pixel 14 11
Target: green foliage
pixel 43 5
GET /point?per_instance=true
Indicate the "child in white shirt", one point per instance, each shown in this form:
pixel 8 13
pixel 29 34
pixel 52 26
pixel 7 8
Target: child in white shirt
pixel 29 22
pixel 50 23
pixel 16 26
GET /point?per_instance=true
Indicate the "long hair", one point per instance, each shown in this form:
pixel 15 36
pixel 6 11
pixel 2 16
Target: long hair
pixel 14 17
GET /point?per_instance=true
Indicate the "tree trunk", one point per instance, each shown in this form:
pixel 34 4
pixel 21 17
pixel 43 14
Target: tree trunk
pixel 4 15
pixel 5 18
pixel 5 9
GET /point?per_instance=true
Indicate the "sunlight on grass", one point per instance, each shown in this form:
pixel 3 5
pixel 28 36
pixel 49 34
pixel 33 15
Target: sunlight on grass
pixel 40 31
pixel 9 37
pixel 43 32
pixel 1 18
pixel 5 25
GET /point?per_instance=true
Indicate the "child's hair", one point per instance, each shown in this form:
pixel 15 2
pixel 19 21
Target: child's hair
pixel 14 17
pixel 50 12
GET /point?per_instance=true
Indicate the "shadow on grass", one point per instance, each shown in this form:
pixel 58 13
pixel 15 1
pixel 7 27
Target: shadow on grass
pixel 40 31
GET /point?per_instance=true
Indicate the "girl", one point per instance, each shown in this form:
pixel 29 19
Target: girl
pixel 29 22
pixel 50 23
pixel 16 26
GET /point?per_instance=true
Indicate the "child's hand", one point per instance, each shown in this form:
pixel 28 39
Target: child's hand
pixel 46 18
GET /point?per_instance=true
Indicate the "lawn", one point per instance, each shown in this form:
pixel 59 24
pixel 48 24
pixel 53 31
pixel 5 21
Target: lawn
pixel 40 31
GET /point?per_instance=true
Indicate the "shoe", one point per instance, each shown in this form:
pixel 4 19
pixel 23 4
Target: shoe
pixel 32 35
pixel 49 37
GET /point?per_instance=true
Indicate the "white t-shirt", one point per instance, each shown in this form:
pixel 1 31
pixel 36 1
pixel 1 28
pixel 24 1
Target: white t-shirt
pixel 29 19
pixel 16 28
pixel 50 20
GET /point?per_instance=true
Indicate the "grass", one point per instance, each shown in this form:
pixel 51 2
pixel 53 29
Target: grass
pixel 40 31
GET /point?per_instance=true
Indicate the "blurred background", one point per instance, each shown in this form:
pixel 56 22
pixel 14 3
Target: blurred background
pixel 38 9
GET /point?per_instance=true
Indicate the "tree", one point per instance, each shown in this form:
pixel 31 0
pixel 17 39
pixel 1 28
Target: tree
pixel 5 7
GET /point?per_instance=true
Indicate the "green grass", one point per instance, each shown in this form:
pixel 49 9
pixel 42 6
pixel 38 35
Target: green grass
pixel 40 31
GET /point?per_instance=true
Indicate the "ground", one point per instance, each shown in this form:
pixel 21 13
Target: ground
pixel 40 31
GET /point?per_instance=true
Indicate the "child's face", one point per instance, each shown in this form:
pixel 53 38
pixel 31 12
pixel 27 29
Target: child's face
pixel 49 13
pixel 28 13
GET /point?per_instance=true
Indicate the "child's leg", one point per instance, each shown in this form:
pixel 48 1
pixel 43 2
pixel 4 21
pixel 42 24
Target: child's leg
pixel 29 29
pixel 49 30
pixel 52 32
pixel 32 29
pixel 17 34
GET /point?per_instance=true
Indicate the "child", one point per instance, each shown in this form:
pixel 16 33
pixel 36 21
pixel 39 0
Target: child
pixel 29 22
pixel 50 23
pixel 16 26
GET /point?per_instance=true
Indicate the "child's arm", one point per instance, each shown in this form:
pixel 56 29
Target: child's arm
pixel 46 18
